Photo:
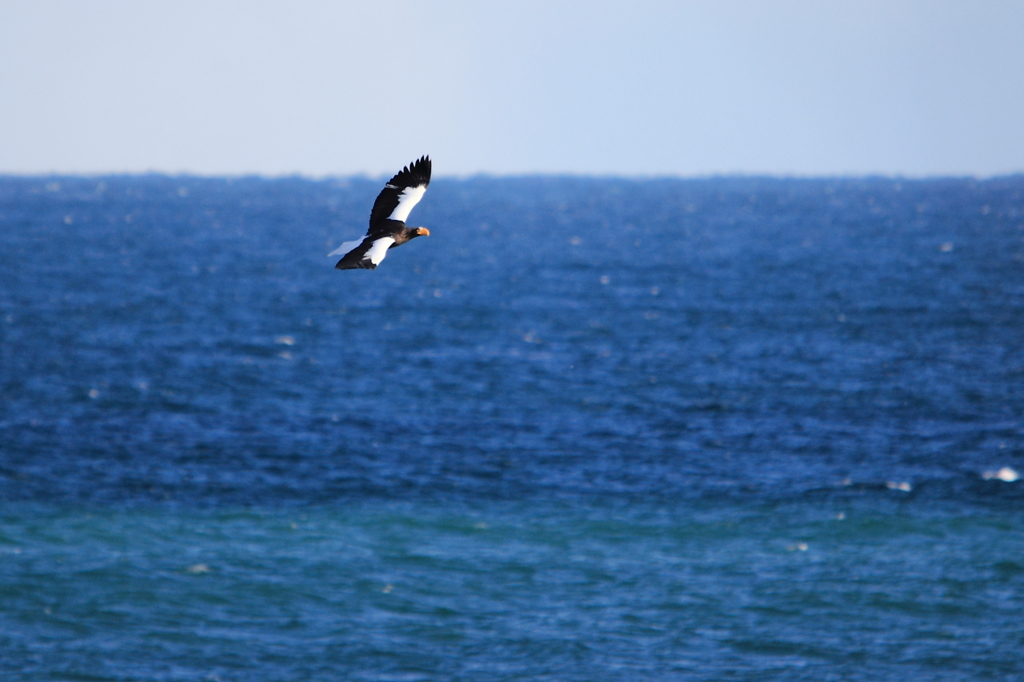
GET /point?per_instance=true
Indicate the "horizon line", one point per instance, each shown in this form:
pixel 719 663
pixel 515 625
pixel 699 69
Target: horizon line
pixel 362 175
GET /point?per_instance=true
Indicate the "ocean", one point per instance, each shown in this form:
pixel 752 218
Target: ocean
pixel 589 429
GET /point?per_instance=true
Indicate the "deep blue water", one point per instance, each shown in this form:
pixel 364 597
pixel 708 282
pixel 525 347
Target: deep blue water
pixel 590 429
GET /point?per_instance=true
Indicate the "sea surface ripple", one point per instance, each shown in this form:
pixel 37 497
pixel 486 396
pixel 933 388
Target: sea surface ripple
pixel 589 429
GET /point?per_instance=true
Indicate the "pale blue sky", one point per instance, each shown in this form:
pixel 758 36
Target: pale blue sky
pixel 908 87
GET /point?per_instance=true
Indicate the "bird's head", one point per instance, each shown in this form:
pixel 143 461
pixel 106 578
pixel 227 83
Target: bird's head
pixel 419 232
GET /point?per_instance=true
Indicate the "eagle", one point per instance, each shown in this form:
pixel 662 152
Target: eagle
pixel 387 219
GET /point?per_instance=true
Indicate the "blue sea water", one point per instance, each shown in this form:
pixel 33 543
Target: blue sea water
pixel 590 429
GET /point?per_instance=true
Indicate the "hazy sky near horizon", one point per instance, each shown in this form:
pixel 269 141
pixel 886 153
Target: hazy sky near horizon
pixel 799 87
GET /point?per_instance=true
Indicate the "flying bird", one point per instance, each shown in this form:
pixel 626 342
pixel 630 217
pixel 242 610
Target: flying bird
pixel 387 219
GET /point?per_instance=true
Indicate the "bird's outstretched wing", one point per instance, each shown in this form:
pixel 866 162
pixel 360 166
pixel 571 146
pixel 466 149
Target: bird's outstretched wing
pixel 363 255
pixel 400 194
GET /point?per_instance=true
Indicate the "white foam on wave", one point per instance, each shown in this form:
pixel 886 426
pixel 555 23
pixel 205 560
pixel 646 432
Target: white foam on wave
pixel 1005 474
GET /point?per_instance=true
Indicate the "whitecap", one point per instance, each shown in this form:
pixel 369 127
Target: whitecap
pixel 1005 474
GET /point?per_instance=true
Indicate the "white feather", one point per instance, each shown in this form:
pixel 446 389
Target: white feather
pixel 379 250
pixel 345 248
pixel 409 197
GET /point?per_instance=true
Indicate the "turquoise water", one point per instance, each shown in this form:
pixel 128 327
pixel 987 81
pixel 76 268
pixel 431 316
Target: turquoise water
pixel 726 429
pixel 512 591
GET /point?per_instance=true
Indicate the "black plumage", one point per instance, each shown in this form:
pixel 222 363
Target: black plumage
pixel 387 219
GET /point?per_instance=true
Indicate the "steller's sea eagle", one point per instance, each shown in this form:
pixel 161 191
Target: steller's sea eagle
pixel 387 219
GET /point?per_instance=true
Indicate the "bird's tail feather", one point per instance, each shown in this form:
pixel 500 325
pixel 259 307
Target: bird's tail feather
pixel 345 248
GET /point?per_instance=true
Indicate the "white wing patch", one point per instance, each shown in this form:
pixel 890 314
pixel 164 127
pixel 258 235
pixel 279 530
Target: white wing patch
pixel 345 248
pixel 379 249
pixel 409 197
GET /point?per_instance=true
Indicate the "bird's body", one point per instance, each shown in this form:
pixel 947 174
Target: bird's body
pixel 387 219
